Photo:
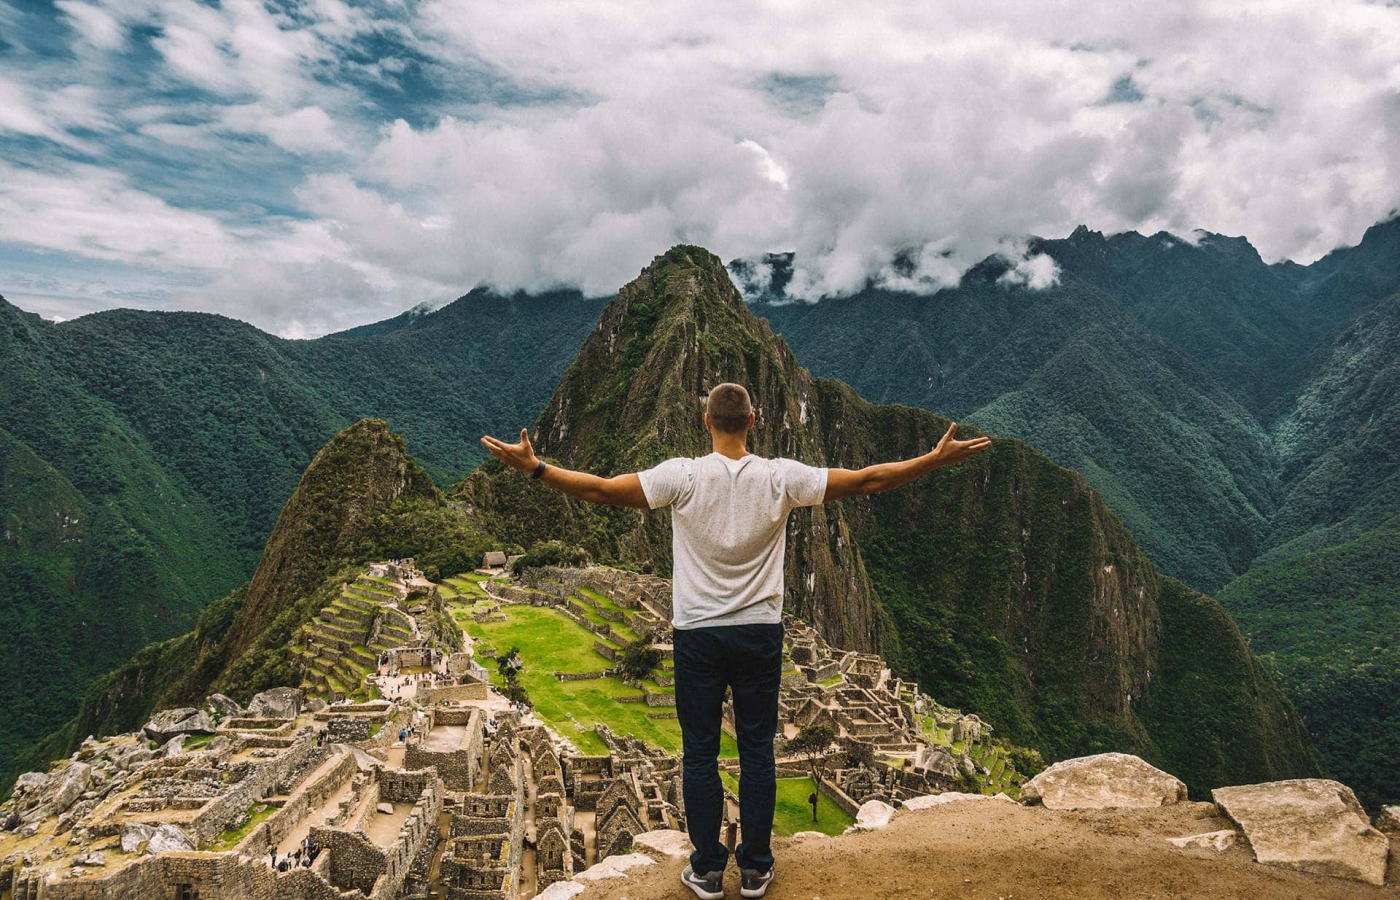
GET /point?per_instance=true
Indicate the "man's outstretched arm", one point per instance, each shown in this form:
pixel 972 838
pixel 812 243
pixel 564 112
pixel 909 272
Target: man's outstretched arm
pixel 888 476
pixel 622 490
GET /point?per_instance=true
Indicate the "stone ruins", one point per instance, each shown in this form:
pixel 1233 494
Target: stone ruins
pixel 396 771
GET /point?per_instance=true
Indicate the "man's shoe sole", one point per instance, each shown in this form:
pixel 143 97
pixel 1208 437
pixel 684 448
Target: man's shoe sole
pixel 701 892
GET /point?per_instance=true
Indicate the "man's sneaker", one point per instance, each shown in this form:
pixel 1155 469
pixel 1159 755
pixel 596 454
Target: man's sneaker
pixel 709 887
pixel 755 883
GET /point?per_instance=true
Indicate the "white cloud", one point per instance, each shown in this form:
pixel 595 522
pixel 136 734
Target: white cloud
pixel 97 26
pixel 908 140
pixel 1036 271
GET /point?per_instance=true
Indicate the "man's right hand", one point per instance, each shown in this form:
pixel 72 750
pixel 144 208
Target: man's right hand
pixel 950 452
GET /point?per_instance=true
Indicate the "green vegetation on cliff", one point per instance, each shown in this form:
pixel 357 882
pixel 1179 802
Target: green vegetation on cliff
pixel 146 457
pixel 362 498
pixel 1328 622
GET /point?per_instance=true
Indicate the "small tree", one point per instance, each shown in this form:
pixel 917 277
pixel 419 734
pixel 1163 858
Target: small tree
pixel 814 744
pixel 639 660
pixel 509 665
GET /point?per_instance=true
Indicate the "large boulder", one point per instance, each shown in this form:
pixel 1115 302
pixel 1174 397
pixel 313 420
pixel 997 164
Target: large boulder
pixel 1309 824
pixel 873 814
pixel 168 723
pixel 134 836
pixel 663 844
pixel 169 839
pixel 615 867
pixel 1104 781
pixel 276 703
pixel 224 705
pixel 1389 819
pixel 70 782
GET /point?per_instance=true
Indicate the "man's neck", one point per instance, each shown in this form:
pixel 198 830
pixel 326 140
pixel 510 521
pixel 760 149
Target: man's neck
pixel 730 445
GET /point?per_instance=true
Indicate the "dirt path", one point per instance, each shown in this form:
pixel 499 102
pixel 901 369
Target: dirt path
pixel 1003 851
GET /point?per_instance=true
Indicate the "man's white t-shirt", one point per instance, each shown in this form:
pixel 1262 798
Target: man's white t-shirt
pixel 729 533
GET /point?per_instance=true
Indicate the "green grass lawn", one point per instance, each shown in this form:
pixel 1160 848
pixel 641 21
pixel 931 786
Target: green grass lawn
pixel 465 585
pixel 551 642
pixel 792 813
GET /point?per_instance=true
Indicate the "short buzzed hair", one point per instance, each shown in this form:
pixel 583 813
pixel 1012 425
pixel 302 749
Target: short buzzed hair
pixel 729 407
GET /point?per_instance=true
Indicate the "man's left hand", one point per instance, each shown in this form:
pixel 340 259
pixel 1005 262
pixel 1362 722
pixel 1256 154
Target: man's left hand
pixel 519 456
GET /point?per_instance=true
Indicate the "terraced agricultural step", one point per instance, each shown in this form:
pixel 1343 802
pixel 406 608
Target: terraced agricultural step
pixel 344 634
pixel 353 626
pixel 351 600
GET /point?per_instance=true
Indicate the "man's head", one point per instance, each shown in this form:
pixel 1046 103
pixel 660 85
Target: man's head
pixel 728 409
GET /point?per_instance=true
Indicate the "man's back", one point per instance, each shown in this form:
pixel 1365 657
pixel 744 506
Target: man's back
pixel 729 524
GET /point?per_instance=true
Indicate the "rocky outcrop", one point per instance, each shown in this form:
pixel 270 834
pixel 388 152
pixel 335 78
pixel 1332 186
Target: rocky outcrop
pixel 168 723
pixel 224 705
pixel 1104 781
pixel 169 838
pixel 277 703
pixel 1309 824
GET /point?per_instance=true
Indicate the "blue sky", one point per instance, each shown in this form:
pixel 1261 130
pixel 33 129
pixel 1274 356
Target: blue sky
pixel 309 166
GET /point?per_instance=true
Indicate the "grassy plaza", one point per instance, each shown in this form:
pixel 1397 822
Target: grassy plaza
pixel 551 642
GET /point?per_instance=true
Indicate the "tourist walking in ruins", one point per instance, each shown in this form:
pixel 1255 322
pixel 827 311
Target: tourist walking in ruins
pixel 729 515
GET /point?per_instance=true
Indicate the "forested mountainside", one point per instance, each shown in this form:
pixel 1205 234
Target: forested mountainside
pixel 1241 418
pixel 361 498
pixel 1004 586
pixel 144 458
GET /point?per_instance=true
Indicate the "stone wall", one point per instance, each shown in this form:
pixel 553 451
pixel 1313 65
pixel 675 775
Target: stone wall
pixel 458 767
pixel 213 876
pixel 261 781
pixel 310 796
pixel 427 696
pixel 356 863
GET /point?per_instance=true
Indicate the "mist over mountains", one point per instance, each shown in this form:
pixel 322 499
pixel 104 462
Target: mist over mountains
pixel 1240 419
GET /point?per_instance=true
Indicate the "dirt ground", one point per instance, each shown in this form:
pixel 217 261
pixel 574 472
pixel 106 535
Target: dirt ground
pixel 1004 851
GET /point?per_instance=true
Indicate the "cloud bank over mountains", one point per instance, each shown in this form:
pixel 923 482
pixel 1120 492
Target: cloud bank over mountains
pixel 308 166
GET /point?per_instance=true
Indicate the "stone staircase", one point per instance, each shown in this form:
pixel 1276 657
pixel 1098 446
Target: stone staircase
pixel 341 645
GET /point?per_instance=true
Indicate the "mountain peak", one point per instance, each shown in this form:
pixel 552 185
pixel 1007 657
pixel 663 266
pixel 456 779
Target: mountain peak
pixel 361 471
pixel 674 332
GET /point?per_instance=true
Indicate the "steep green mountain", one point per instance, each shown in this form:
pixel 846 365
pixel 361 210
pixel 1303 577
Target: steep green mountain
pixel 173 439
pixel 1323 599
pixel 1339 444
pixel 1242 419
pixel 1328 621
pixel 361 498
pixel 1072 373
pixel 1004 586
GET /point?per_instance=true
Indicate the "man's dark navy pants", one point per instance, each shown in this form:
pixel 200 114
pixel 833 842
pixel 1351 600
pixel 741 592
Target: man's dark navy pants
pixel 748 659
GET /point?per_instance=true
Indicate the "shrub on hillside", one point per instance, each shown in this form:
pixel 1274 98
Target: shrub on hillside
pixel 553 553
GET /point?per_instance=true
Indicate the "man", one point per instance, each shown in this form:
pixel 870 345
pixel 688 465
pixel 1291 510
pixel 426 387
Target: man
pixel 729 515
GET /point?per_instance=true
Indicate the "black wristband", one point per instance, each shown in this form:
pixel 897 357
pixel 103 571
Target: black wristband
pixel 539 470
